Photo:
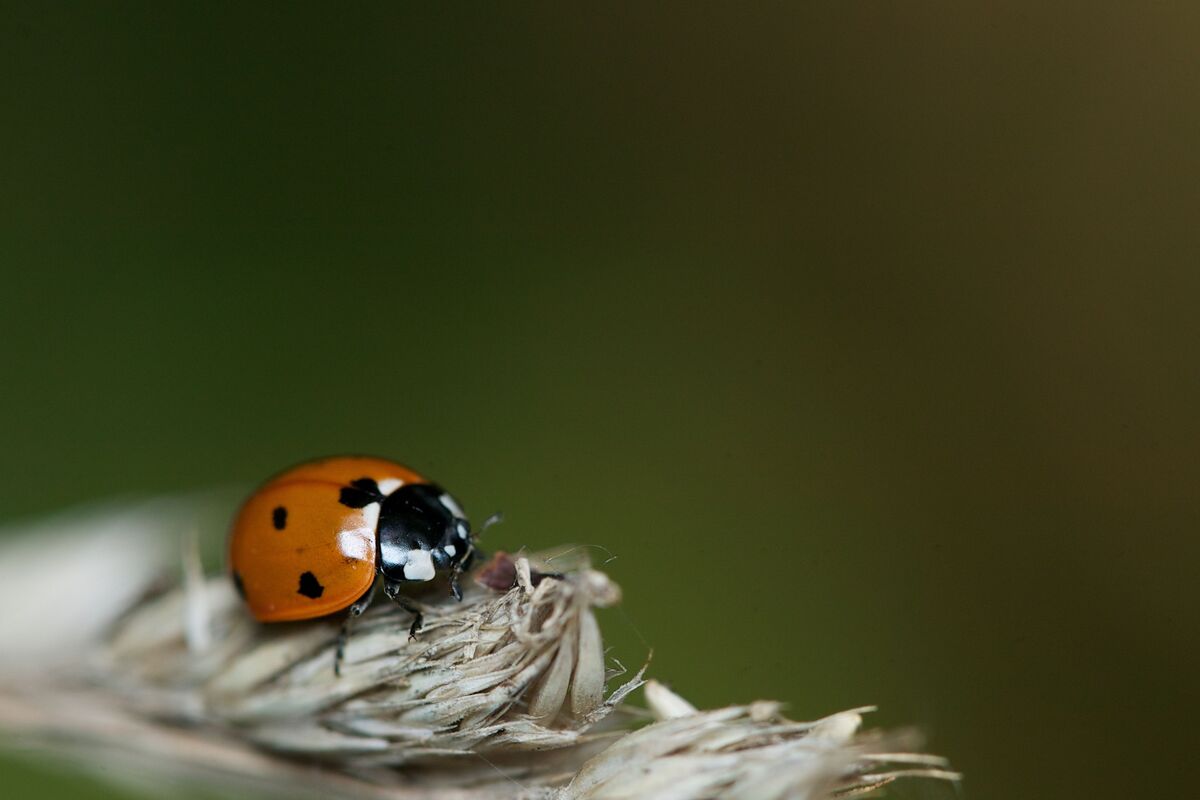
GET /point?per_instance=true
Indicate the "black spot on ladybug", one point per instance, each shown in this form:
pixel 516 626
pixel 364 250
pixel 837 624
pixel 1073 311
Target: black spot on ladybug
pixel 354 498
pixel 360 493
pixel 366 484
pixel 237 584
pixel 279 518
pixel 310 586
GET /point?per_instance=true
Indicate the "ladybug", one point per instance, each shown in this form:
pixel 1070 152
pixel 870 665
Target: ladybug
pixel 317 539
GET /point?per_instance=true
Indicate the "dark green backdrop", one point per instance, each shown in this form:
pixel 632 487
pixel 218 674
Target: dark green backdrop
pixel 864 334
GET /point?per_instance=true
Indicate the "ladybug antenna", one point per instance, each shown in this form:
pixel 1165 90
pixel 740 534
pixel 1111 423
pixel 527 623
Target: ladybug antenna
pixel 494 519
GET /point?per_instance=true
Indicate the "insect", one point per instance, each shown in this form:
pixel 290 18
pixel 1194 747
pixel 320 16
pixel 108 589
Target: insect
pixel 318 538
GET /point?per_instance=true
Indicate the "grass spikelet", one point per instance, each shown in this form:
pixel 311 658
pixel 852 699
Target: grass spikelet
pixel 506 694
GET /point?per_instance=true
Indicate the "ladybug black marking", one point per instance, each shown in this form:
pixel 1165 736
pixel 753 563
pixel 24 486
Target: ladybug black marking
pixel 419 535
pixel 360 493
pixel 279 518
pixel 310 586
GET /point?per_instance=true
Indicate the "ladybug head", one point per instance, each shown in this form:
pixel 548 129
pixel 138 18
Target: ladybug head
pixel 422 531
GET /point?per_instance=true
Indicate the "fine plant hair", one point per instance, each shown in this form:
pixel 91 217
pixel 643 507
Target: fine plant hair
pixel 168 682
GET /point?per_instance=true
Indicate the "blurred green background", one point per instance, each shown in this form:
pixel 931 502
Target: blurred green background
pixel 864 334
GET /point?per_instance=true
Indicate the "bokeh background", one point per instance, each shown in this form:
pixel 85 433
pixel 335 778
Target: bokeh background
pixel 863 334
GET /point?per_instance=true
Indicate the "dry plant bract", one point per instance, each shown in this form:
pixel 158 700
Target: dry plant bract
pixel 506 694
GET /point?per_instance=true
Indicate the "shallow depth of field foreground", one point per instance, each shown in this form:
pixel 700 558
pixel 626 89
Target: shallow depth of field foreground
pixel 157 681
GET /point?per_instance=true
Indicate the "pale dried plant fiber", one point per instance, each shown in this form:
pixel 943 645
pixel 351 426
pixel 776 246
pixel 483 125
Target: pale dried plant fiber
pixel 504 695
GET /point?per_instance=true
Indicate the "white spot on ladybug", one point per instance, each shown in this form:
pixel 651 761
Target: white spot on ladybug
pixel 371 518
pixel 452 506
pixel 393 553
pixel 356 544
pixel 419 566
pixel 450 550
pixel 389 485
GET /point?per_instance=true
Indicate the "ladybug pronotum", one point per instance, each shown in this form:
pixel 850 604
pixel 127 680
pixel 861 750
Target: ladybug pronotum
pixel 317 538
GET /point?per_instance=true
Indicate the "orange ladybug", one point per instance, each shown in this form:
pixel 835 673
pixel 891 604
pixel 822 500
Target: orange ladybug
pixel 315 539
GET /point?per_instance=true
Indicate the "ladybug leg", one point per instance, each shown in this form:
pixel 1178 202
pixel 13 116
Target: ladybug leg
pixel 356 609
pixel 473 552
pixel 455 572
pixel 392 590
